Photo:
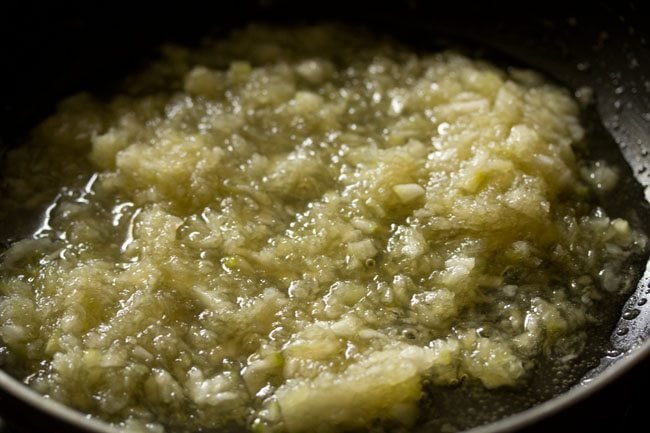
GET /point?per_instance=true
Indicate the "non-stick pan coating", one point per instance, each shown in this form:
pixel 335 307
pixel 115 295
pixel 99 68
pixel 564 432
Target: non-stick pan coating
pixel 50 52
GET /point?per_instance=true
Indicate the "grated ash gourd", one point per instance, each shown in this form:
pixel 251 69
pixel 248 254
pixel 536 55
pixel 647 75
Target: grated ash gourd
pixel 292 229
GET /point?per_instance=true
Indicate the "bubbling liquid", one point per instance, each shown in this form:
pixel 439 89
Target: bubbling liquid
pixel 293 230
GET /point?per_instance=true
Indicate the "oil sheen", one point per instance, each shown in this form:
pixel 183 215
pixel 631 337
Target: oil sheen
pixel 294 230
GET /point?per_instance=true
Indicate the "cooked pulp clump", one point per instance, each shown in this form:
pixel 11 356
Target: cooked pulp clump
pixel 293 229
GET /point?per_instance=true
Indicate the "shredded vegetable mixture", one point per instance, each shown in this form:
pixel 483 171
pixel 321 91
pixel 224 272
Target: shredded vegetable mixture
pixel 292 230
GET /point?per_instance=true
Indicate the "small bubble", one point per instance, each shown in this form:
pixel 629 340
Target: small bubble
pixel 618 105
pixel 613 353
pixel 409 333
pixel 585 95
pixel 642 301
pixel 619 90
pixel 622 331
pixel 631 314
pixel 583 66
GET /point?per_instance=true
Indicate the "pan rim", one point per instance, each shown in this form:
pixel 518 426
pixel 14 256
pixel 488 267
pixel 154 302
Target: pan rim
pixel 573 396
pixel 625 362
pixel 580 392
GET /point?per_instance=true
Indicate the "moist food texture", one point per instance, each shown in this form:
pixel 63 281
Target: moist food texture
pixel 293 230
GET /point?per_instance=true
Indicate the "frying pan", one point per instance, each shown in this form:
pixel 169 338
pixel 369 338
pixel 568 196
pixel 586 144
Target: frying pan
pixel 50 52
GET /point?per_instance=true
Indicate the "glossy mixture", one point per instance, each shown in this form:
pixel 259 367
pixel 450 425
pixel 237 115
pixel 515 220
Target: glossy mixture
pixel 293 229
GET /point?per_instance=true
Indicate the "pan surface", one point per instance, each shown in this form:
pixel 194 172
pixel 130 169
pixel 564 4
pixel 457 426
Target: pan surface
pixel 55 52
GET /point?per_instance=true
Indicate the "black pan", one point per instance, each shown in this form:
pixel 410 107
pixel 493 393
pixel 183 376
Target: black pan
pixel 50 52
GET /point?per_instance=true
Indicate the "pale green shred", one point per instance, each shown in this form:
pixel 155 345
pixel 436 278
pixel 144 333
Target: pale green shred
pixel 293 229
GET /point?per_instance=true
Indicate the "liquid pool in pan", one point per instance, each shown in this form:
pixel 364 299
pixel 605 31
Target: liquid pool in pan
pixel 311 230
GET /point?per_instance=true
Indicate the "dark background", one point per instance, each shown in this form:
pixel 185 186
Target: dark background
pixel 51 50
